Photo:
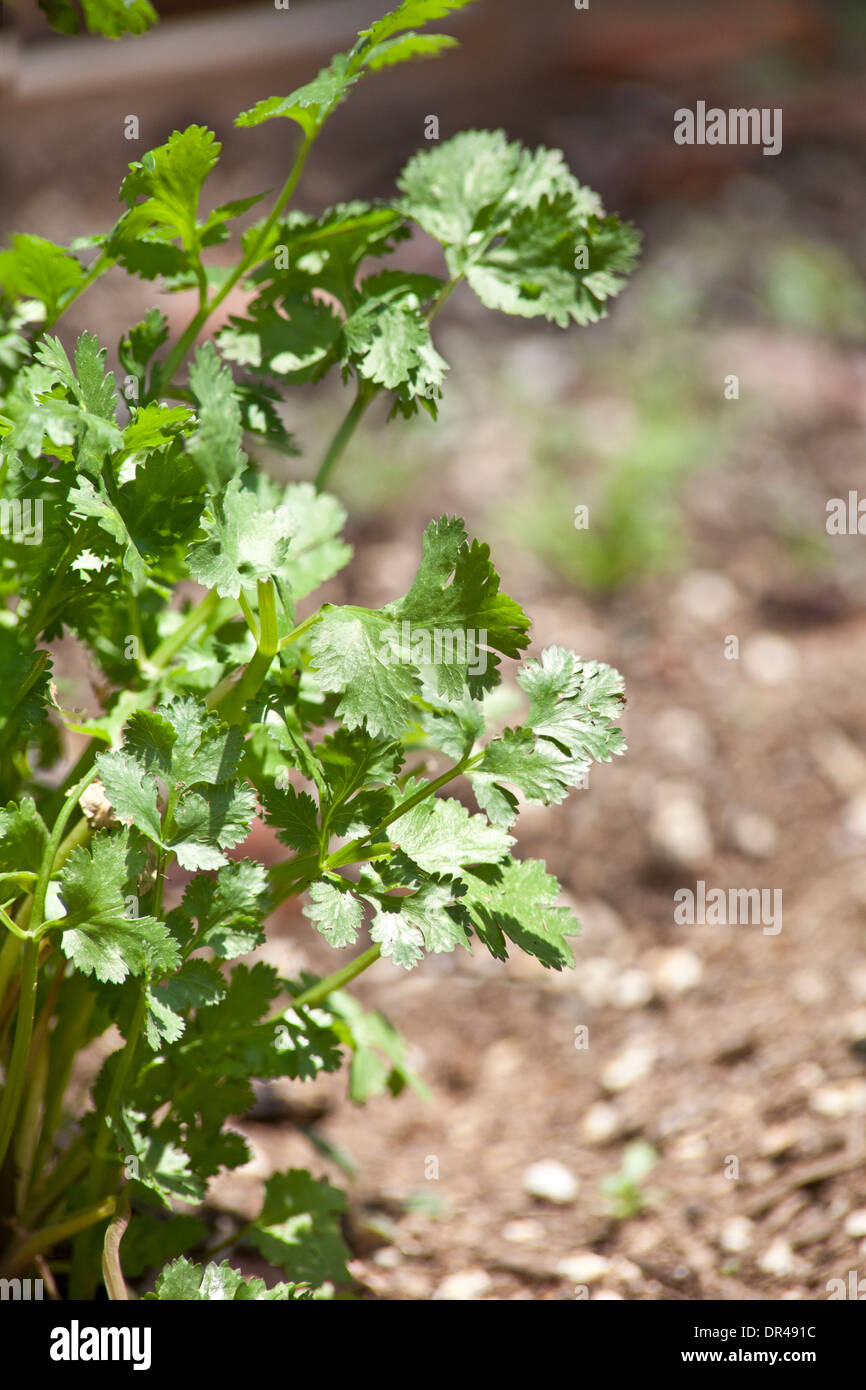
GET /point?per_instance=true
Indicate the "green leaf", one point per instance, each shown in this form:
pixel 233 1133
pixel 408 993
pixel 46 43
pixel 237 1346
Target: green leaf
pixel 206 825
pixel 38 269
pixel 428 917
pixel 296 817
pixel 538 767
pixel 316 553
pixel 87 501
pixel 527 236
pixel 299 1228
pixel 439 835
pixel 351 652
pixel 160 1165
pixel 152 1240
pixel 216 443
pixel 373 1039
pixel 297 344
pixel 132 792
pixel 574 702
pixel 98 888
pixel 228 909
pixel 453 621
pixel 110 18
pixel 407 15
pixel 154 425
pixel 391 345
pixel 183 1281
pixel 404 47
pixel 517 900
pixel 308 105
pixel 25 672
pixel 188 747
pixel 303 253
pixel 23 837
pixel 351 759
pixel 337 915
pixel 169 179
pixel 532 273
pixel 244 543
pixel 141 343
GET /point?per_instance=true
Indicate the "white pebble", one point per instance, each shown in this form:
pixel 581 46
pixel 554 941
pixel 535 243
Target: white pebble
pixel 855 1223
pixel 551 1181
pixel 464 1286
pixel 854 816
pixel 525 1232
pixel 601 1122
pixel 676 971
pixel 778 1258
pixel 838 1101
pixel 706 595
pixel 769 659
pixel 631 990
pixel 632 1064
pixel 584 1267
pixel 596 978
pixel 753 834
pixel 684 734
pixel 678 827
pixel 736 1234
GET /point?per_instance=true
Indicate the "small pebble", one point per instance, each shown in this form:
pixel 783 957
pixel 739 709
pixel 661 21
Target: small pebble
pixel 464 1286
pixel 706 596
pixel 678 827
pixel 551 1181
pixel 810 987
pixel 388 1258
pixel 777 1259
pixel 855 1223
pixel 736 1234
pixel 634 1063
pixel 753 834
pixel 596 979
pixel 676 971
pixel 854 817
pixel 524 1232
pixel 684 734
pixel 835 1102
pixel 769 659
pixel 781 1139
pixel 584 1267
pixel 631 990
pixel 601 1122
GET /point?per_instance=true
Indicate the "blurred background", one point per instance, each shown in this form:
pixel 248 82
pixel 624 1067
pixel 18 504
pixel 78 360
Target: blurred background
pixel 710 1141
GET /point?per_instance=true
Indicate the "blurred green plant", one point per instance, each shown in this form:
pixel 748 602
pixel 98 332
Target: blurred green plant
pixel 623 1191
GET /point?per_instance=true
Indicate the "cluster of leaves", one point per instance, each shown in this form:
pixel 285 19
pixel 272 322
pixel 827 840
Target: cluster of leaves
pixel 220 710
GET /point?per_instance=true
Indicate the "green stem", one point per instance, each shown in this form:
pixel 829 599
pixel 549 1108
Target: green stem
pixel 440 298
pixel 301 628
pixel 367 390
pixel 54 846
pixel 171 645
pixel 20 1256
pixel 75 1161
pixel 99 267
pixel 256 672
pixel 81 1279
pixel 185 342
pixel 319 991
pixel 21 1046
